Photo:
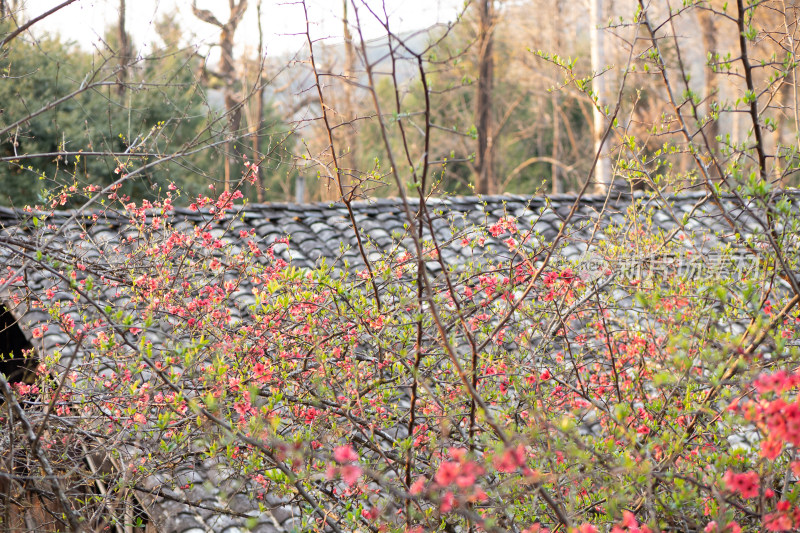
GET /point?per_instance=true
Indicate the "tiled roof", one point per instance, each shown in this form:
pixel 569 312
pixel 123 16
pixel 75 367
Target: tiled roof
pixel 322 231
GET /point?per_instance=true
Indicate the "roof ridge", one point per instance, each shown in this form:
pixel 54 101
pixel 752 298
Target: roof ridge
pixel 253 209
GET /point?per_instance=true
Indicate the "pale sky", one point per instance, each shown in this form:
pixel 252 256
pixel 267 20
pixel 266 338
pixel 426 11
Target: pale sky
pixel 85 20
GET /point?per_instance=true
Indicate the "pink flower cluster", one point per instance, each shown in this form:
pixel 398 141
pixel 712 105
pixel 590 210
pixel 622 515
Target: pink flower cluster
pixel 629 524
pixel 780 421
pixel 730 527
pixel 345 456
pixel 504 225
pixel 510 459
pixel 779 418
pixel 777 382
pixel 746 484
pixel 459 476
pixel 785 518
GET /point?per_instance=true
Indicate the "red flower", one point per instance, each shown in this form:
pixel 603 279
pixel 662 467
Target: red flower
pixel 448 500
pixel 778 521
pixel 630 525
pixel 745 484
pixel 344 454
pixel 418 486
pixel 350 474
pixel 372 514
pixel 510 460
pixel 447 473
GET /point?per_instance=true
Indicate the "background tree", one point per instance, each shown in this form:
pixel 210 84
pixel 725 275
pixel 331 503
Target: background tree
pixel 709 30
pixel 486 182
pixel 555 179
pixel 603 170
pixel 124 52
pixel 255 117
pixel 351 156
pixel 83 139
pixel 227 73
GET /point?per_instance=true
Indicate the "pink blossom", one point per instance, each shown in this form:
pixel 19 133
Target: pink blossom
pixel 510 459
pixel 731 527
pixel 371 514
pixel 344 454
pixel 447 473
pixel 745 484
pixel 350 474
pixel 418 486
pixel 447 503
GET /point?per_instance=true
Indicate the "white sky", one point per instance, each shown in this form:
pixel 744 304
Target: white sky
pixel 85 20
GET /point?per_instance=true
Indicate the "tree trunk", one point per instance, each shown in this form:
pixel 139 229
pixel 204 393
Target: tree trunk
pixel 346 138
pixel 555 169
pixel 124 50
pixel 602 172
pixel 486 182
pixel 709 32
pixel 351 139
pixel 227 72
pixel 232 108
pixel 259 113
